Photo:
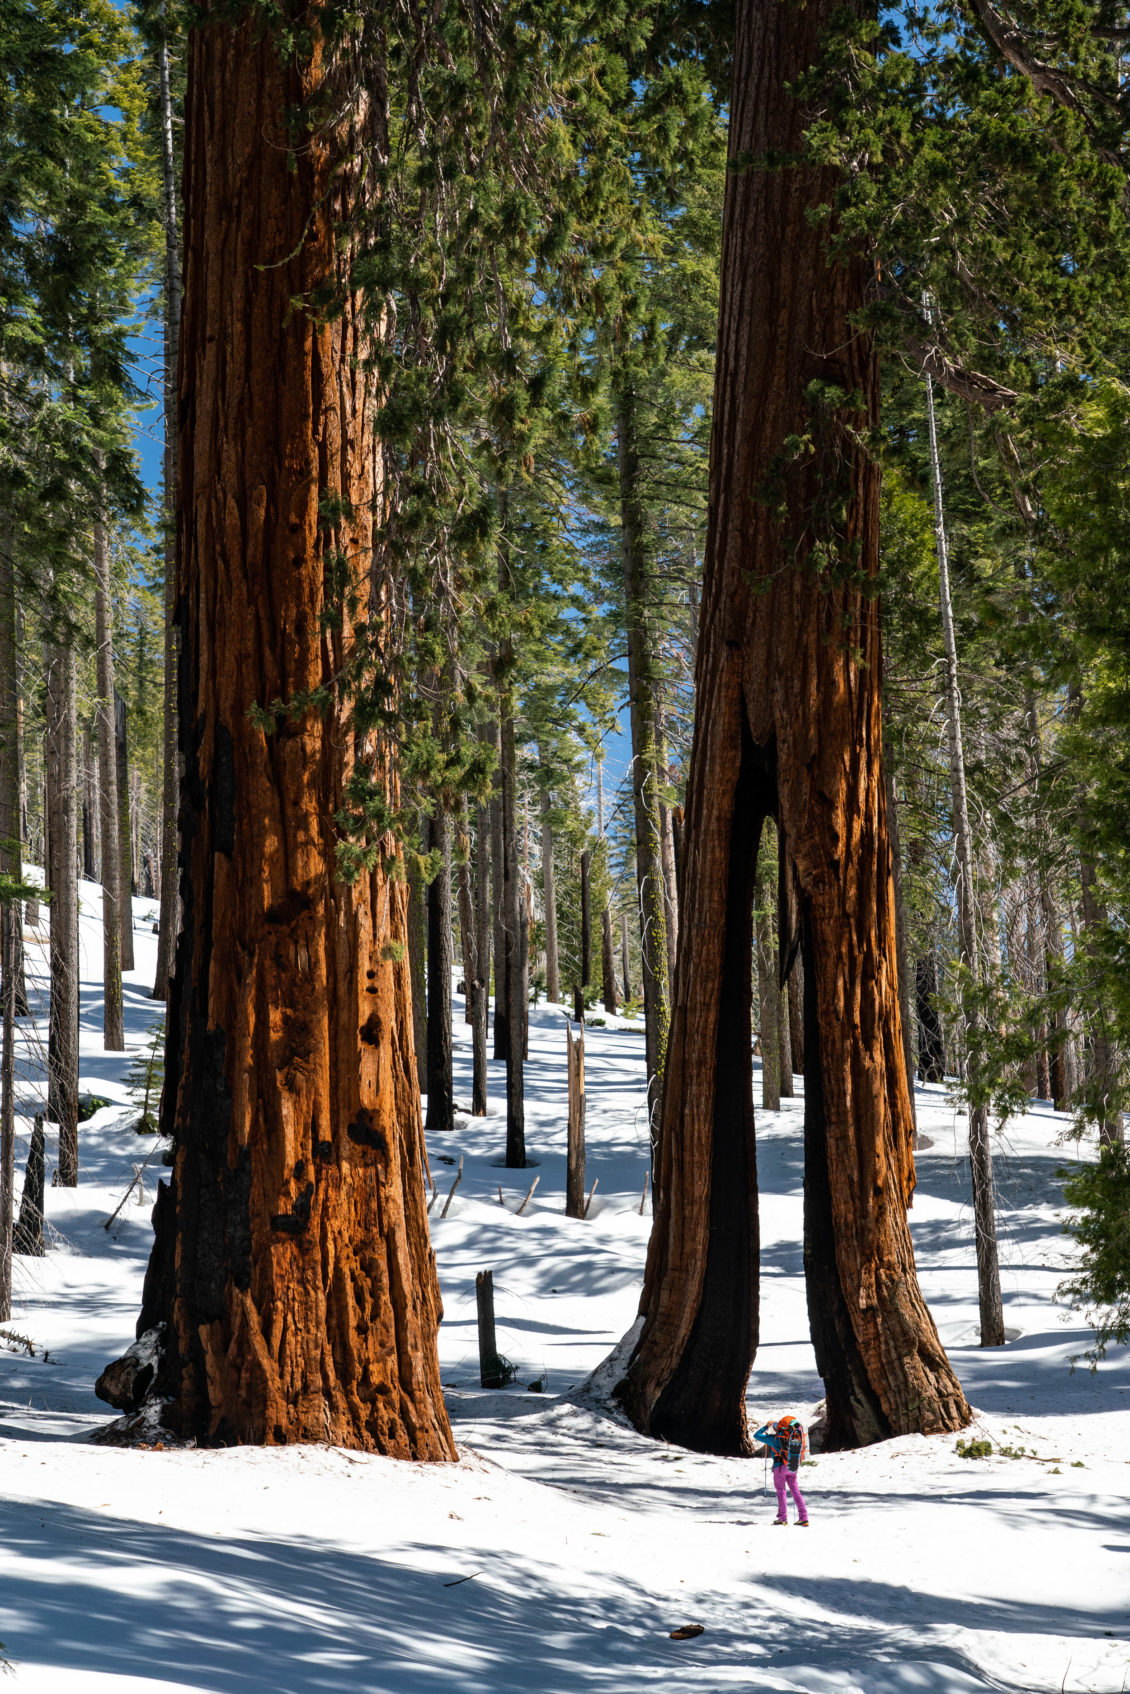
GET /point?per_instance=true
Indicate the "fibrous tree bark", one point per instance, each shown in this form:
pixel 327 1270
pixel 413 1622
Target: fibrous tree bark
pixel 787 722
pixel 62 880
pixel 113 1033
pixel 291 1267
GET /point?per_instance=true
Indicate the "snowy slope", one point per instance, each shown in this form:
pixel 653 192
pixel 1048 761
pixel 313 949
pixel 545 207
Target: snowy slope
pixel 560 1551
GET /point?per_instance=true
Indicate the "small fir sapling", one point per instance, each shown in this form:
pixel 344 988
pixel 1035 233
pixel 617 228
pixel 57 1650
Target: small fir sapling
pixel 145 1079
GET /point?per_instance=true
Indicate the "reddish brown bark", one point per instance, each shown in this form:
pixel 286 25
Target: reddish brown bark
pixel 787 722
pixel 292 1266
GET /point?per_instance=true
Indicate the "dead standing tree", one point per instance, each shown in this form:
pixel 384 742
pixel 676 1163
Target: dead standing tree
pixel 787 724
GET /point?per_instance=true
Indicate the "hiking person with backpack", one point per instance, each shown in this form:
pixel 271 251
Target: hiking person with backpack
pixel 787 1441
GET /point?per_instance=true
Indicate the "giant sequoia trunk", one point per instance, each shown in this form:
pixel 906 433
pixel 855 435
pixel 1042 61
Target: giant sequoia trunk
pixel 787 722
pixel 292 1266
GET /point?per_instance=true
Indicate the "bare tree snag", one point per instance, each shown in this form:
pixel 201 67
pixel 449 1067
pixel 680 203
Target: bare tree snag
pixel 291 1267
pixel 787 723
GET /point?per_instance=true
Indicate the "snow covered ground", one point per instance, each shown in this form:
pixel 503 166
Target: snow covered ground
pixel 562 1549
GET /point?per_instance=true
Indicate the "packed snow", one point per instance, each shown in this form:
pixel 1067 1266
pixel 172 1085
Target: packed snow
pixel 562 1550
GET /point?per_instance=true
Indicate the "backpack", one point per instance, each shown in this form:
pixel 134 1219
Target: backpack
pixel 794 1442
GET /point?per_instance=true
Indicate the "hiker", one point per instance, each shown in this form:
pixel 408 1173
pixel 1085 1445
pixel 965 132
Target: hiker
pixel 787 1440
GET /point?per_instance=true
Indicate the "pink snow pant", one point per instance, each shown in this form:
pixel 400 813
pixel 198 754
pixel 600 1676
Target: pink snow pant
pixel 780 1477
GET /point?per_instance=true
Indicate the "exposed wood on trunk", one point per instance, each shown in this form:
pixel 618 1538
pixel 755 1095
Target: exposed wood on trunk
pixel 787 722
pixel 441 1086
pixel 291 1265
pixel 62 880
pixel 170 769
pixel 113 1034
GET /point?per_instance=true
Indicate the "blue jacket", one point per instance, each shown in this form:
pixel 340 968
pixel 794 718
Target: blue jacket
pixel 774 1443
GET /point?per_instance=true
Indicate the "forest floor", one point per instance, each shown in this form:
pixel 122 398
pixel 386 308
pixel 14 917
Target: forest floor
pixel 562 1549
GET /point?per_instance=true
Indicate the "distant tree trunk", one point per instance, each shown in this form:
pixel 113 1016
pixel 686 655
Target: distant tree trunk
pixel 903 963
pixel 291 1265
pixel 9 917
pixel 931 1044
pixel 787 685
pixel 125 831
pixel 549 891
pixel 11 846
pixel 482 958
pixel 89 809
pixel 497 920
pixel 514 945
pixel 472 971
pixel 113 1033
pixel 441 1087
pixel 667 854
pixel 768 998
pixel 586 919
pixel 417 958
pixel 796 1013
pixel 643 672
pixel 980 1147
pixel 170 772
pixel 28 1238
pixel 62 880
pixel 607 961
pixel 625 956
pixel 785 1085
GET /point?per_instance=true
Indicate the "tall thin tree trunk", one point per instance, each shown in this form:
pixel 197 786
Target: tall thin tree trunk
pixel 901 958
pixel 62 1049
pixel 9 917
pixel 625 956
pixel 291 1266
pixel 768 997
pixel 549 888
pixel 125 832
pixel 88 831
pixel 514 946
pixel 497 883
pixel 113 1033
pixel 417 958
pixel 482 959
pixel 170 771
pixel 931 1043
pixel 607 961
pixel 586 919
pixel 980 1149
pixel 788 723
pixel 796 1013
pixel 441 1087
pixel 11 725
pixel 667 853
pixel 643 672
